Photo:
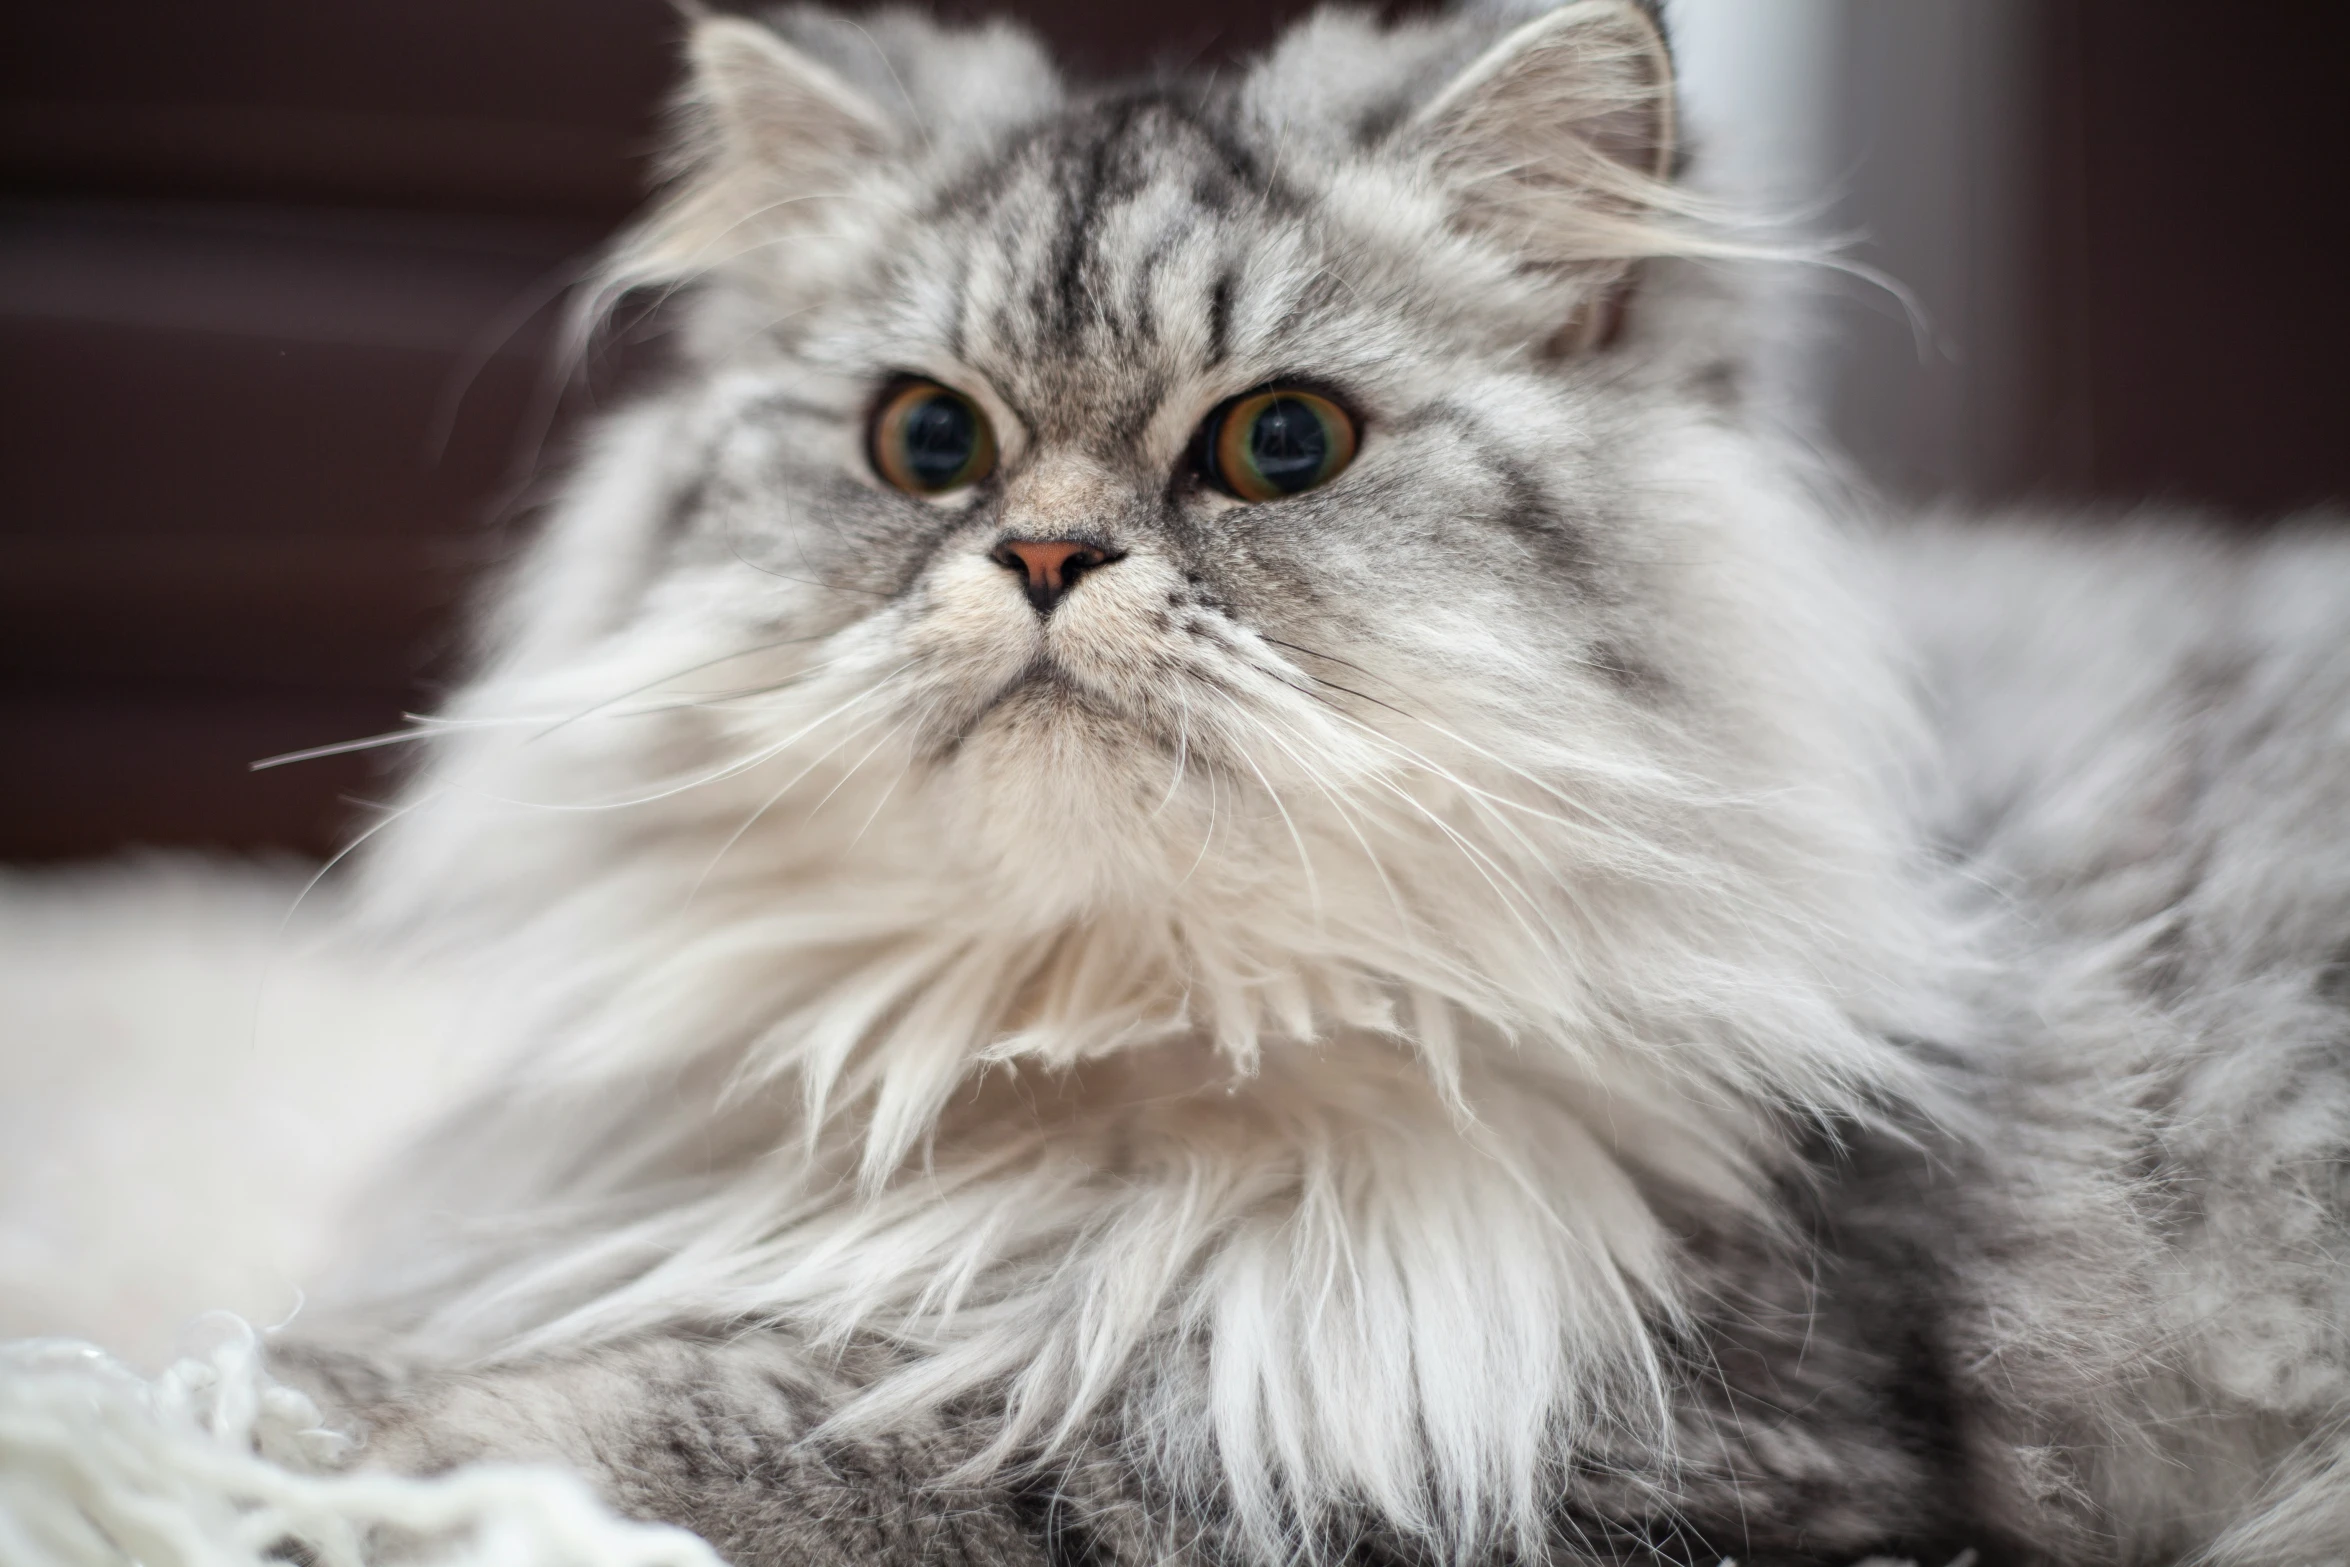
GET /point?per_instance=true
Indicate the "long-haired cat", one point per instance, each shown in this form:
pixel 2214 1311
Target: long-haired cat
pixel 1198 854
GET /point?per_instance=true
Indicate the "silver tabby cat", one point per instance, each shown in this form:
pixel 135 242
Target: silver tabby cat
pixel 1198 854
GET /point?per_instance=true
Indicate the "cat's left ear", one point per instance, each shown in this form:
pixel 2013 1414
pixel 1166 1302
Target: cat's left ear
pixel 1558 142
pixel 793 124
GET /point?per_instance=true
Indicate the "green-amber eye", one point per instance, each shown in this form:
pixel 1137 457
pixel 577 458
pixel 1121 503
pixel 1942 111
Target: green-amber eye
pixel 928 438
pixel 1278 442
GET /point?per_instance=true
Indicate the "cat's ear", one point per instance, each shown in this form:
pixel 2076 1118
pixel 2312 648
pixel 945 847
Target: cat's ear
pixel 1558 141
pixel 766 137
pixel 795 123
pixel 774 108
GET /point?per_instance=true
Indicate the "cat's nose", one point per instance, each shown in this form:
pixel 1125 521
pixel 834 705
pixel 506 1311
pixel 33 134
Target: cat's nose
pixel 1049 568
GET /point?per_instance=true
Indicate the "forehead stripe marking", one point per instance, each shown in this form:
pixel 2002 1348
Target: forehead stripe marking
pixel 1220 318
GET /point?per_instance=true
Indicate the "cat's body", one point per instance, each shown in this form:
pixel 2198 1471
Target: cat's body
pixel 2145 752
pixel 1447 1012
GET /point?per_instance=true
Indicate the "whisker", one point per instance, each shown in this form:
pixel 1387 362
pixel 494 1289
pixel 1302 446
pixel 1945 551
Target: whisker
pixel 732 769
pixel 1480 861
pixel 790 784
pixel 1215 807
pixel 858 765
pixel 690 669
pixel 1378 867
pixel 1590 819
pixel 1182 757
pixel 358 840
pixel 1516 896
pixel 1486 866
pixel 1421 759
pixel 429 726
pixel 1304 861
pixel 1330 658
pixel 343 748
pixel 1546 787
pixel 874 815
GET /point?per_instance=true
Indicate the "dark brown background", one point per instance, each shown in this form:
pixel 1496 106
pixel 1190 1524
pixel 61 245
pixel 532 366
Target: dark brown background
pixel 274 278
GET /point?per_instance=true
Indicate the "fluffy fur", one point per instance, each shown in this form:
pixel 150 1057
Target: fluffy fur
pixel 2147 772
pixel 1461 1016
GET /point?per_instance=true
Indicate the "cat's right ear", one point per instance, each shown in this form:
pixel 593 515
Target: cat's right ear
pixel 767 137
pixel 772 109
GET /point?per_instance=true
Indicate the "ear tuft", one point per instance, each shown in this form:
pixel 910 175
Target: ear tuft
pixel 1559 140
pixel 770 104
pixel 766 134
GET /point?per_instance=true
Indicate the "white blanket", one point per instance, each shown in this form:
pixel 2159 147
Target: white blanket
pixel 193 1083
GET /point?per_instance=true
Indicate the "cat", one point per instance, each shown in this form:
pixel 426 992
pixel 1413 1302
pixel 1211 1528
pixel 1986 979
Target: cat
pixel 1200 852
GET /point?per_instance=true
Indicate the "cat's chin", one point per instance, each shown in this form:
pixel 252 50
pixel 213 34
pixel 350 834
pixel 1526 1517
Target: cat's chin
pixel 1069 797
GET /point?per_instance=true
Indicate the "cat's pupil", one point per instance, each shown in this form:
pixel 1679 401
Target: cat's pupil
pixel 939 436
pixel 1288 444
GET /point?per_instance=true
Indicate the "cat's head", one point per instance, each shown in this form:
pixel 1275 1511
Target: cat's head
pixel 1262 555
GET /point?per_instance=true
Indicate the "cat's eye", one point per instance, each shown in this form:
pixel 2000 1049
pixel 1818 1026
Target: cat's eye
pixel 928 439
pixel 1275 442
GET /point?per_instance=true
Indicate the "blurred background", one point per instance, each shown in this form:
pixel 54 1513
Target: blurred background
pixel 278 282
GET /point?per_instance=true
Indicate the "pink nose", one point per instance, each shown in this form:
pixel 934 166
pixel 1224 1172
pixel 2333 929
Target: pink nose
pixel 1049 568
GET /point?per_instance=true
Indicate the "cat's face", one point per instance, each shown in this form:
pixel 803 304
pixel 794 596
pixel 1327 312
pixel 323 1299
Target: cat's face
pixel 1177 441
pixel 1192 556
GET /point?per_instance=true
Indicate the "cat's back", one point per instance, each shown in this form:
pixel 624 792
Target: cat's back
pixel 2139 716
pixel 2142 773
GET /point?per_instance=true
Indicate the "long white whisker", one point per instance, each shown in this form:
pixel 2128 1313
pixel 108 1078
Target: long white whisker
pixel 1304 860
pixel 1405 752
pixel 1591 821
pixel 787 787
pixel 732 769
pixel 1656 858
pixel 1545 786
pixel 1182 756
pixel 344 748
pixel 1345 815
pixel 1215 809
pixel 690 669
pixel 430 726
pixel 1480 861
pixel 346 851
pixel 874 815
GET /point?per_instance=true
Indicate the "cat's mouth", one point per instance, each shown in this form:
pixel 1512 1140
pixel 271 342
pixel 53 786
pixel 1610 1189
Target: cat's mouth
pixel 1044 688
pixel 1046 698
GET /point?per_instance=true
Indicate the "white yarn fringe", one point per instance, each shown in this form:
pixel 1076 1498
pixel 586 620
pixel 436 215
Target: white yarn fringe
pixel 214 1464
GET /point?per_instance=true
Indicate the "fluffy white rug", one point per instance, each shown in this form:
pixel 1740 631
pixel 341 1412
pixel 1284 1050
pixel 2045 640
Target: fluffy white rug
pixel 213 1465
pixel 194 1082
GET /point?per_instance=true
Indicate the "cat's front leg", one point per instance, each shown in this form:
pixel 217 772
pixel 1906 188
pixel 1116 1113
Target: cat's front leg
pixel 711 1434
